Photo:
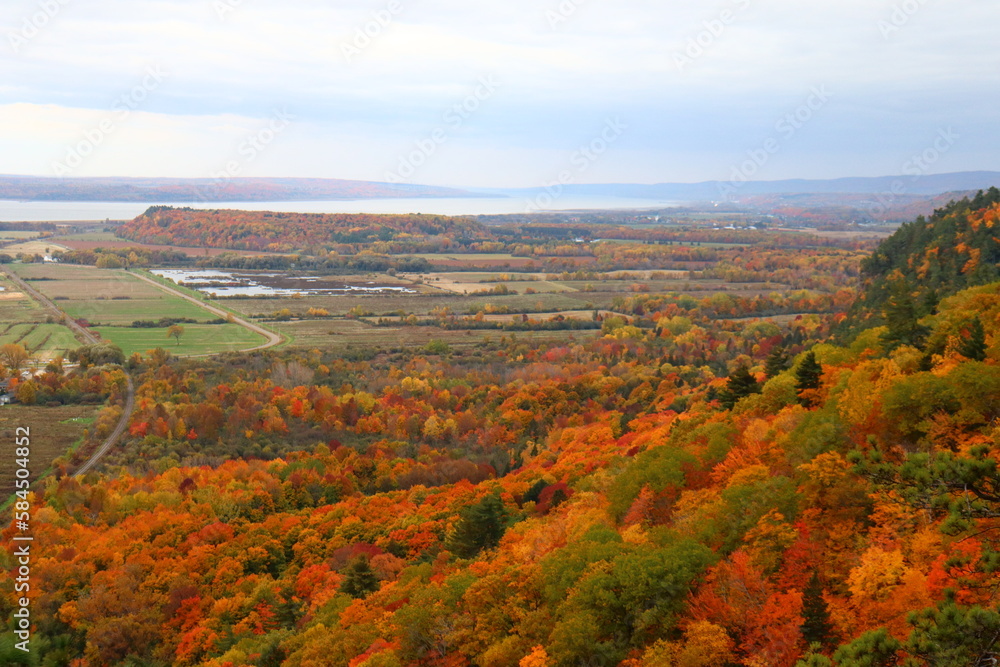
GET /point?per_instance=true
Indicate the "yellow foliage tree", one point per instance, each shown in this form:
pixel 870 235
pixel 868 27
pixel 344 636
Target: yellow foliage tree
pixel 537 658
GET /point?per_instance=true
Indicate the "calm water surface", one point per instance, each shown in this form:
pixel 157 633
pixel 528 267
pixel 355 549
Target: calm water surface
pixel 35 211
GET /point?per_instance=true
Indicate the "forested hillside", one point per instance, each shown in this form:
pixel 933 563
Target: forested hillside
pixel 928 259
pixel 692 492
pixel 283 232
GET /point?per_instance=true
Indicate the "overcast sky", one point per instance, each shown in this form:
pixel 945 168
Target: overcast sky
pixel 504 94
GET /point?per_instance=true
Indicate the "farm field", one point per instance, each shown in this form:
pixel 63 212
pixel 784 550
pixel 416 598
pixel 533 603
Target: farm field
pixel 112 300
pixel 485 260
pixel 92 240
pixel 95 236
pixel 420 304
pixel 573 303
pixel 105 296
pixel 583 315
pixel 43 341
pixel 340 334
pixel 53 431
pixel 198 339
pixel 466 283
pixel 24 321
pixel 14 234
pixel 31 246
pixel 15 306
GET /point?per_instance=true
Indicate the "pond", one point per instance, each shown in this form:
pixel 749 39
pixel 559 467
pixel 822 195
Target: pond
pixel 238 283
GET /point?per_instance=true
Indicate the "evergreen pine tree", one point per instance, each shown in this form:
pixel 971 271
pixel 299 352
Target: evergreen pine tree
pixel 776 362
pixel 741 384
pixel 807 376
pixel 534 491
pixel 479 527
pixel 974 347
pixel 359 578
pixel 816 626
pixel 901 319
pixel 930 304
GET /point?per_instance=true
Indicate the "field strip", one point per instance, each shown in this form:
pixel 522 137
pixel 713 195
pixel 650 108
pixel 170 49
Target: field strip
pixel 272 338
pixel 89 338
pixel 34 246
pixel 79 331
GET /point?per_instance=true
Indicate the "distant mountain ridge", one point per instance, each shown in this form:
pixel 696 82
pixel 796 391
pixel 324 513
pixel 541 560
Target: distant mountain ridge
pixel 885 191
pixel 889 186
pixel 184 190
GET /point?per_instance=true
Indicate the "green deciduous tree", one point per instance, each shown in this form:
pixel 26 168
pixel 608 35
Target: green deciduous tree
pixel 175 331
pixel 14 356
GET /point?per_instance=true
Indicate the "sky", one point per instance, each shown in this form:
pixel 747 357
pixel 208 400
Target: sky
pixel 518 93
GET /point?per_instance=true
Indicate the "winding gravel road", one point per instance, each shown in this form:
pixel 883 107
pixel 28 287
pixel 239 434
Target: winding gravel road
pixel 86 336
pixel 272 338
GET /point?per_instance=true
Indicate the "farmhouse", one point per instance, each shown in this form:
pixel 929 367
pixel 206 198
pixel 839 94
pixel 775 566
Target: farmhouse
pixel 5 397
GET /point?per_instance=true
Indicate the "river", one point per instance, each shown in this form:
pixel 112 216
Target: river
pixel 66 211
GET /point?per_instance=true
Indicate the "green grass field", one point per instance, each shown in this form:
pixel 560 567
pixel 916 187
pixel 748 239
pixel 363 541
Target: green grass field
pixel 88 236
pixel 111 300
pixel 43 341
pixel 109 312
pixel 339 334
pixel 50 340
pixel 8 235
pixel 197 339
pixel 15 331
pixel 465 257
pixel 24 321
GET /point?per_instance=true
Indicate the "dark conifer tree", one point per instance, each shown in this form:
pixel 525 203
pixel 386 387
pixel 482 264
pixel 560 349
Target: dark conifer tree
pixel 776 362
pixel 974 347
pixel 479 527
pixel 901 319
pixel 807 376
pixel 741 384
pixel 816 626
pixel 359 578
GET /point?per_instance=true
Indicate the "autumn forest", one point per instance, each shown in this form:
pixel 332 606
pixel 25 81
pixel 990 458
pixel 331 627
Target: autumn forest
pixel 631 445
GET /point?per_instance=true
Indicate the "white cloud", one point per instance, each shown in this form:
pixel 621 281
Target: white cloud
pixel 228 74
